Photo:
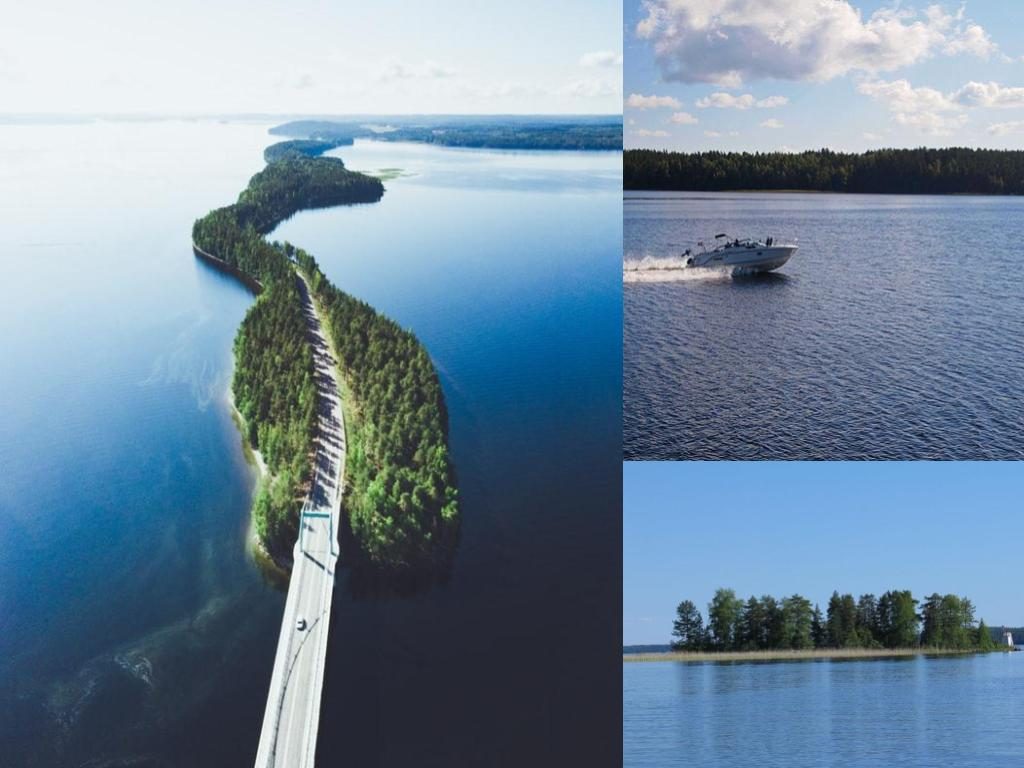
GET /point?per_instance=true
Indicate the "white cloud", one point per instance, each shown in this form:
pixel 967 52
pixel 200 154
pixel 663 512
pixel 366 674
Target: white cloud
pixel 712 134
pixel 589 88
pixel 926 109
pixel 683 118
pixel 1005 129
pixel 729 41
pixel 601 59
pixel 868 136
pixel 647 132
pixel 773 123
pixel 900 96
pixel 639 101
pixel 989 94
pixel 439 71
pixel 744 101
pixel 972 39
pixel 430 70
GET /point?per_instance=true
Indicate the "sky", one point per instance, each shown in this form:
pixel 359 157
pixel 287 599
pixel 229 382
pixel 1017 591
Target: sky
pixel 850 75
pixel 305 56
pixel 780 528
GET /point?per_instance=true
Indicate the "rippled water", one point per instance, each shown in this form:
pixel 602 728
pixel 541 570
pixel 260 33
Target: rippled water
pixel 893 333
pixel 914 713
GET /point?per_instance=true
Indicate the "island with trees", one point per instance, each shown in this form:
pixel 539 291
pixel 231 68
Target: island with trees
pixel 400 501
pixel 766 627
pixel 954 170
pixel 476 132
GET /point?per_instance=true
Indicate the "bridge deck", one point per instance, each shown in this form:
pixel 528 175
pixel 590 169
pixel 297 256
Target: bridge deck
pixel 292 715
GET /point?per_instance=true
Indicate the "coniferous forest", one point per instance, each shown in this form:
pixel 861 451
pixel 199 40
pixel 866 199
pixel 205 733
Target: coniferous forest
pixel 893 620
pixel 400 497
pixel 956 170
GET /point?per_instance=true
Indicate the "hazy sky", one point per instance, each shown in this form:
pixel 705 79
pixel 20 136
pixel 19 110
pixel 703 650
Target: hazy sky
pixel 389 56
pixel 776 527
pixel 803 74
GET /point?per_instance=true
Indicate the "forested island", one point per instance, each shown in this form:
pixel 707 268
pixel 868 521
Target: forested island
pixel 500 132
pixel 400 499
pixel 284 150
pixel 892 621
pixel 956 170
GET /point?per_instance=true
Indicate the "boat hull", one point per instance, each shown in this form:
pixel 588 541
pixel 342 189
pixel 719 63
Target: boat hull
pixel 746 260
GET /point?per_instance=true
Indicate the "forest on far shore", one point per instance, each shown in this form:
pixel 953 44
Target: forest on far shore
pixel 893 620
pixel 955 170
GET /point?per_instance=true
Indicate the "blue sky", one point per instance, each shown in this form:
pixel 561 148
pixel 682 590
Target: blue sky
pixel 800 74
pixel 384 57
pixel 784 527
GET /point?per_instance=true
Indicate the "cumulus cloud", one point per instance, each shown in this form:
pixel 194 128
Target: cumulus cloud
pixel 933 111
pixel 1005 129
pixel 649 133
pixel 601 59
pixel 683 118
pixel 744 101
pixel 639 101
pixel 868 136
pixel 727 42
pixel 971 39
pixel 989 94
pixel 712 134
pixel 773 123
pixel 396 71
pixel 926 109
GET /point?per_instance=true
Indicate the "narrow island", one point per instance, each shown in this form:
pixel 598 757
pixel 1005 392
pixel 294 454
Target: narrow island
pixel 475 132
pixel 767 628
pixel 400 508
pixel 950 171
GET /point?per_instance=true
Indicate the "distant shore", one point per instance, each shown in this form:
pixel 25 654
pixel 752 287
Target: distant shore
pixel 809 655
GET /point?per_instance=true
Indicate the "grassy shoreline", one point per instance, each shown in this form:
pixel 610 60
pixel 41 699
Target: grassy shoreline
pixel 808 655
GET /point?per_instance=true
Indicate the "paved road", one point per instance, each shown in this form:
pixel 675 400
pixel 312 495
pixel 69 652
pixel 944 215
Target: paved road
pixel 288 739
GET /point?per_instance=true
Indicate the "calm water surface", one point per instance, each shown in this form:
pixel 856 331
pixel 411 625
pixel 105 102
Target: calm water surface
pixel 893 333
pixel 135 627
pixel 918 713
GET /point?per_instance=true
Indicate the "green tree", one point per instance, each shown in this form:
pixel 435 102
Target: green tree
pixel 688 628
pixel 799 622
pixel 984 637
pixel 723 619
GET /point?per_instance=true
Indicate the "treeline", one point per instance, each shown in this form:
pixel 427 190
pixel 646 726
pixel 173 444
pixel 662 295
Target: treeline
pixel 892 620
pixel 956 170
pixel 274 391
pixel 283 150
pixel 400 498
pixel 504 133
pixel 402 502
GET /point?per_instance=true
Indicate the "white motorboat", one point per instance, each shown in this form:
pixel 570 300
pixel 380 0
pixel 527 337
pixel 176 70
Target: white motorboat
pixel 745 255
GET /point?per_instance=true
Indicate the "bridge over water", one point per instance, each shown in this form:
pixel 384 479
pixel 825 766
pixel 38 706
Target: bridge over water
pixel 292 717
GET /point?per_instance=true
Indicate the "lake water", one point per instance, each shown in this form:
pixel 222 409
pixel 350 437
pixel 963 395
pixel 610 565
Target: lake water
pixel 893 333
pixel 135 627
pixel 914 713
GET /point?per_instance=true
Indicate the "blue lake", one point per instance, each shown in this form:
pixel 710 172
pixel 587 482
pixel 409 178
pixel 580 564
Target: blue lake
pixel 915 713
pixel 893 333
pixel 135 626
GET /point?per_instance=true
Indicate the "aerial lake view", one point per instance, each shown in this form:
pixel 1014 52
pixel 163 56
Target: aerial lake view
pixel 137 626
pixel 890 334
pixel 918 711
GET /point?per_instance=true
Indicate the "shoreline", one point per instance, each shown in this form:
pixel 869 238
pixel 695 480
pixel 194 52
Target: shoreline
pixel 819 654
pixel 271 567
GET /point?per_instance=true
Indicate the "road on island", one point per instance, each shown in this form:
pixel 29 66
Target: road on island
pixel 292 717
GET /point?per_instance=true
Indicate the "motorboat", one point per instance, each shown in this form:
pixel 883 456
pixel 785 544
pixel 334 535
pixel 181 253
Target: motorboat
pixel 742 255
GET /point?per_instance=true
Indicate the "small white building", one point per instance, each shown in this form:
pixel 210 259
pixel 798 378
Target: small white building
pixel 1008 637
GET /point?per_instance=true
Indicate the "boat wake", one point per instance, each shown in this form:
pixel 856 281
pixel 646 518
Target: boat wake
pixel 667 269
